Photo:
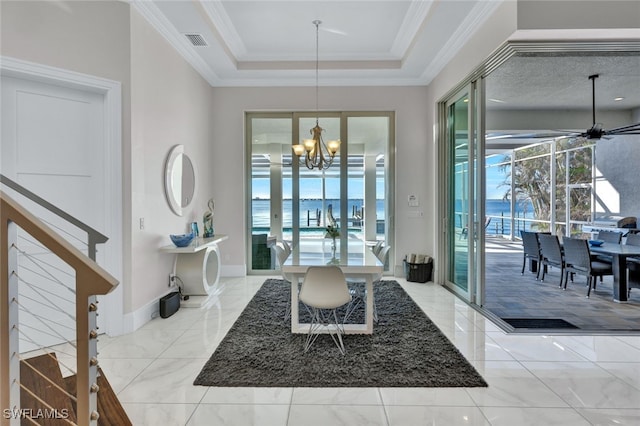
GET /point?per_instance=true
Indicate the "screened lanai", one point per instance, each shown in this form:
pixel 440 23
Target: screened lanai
pixel 531 179
pixel 547 162
pixel 538 180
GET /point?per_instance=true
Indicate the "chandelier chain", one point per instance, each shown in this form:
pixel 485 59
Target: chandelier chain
pixel 316 153
pixel 317 66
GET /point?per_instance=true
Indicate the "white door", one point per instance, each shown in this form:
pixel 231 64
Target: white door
pixel 53 144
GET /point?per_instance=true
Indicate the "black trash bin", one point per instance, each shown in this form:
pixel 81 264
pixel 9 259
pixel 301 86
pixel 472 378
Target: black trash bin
pixel 418 272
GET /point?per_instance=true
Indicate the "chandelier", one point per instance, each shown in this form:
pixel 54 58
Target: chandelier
pixel 316 153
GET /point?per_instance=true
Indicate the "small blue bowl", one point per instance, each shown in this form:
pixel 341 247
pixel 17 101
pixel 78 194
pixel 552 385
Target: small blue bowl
pixel 181 240
pixel 596 243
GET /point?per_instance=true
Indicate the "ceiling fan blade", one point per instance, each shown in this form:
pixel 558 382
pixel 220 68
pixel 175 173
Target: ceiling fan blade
pixel 334 31
pixel 538 135
pixel 624 129
pixel 630 132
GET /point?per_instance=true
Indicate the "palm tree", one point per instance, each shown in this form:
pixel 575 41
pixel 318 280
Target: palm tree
pixel 532 180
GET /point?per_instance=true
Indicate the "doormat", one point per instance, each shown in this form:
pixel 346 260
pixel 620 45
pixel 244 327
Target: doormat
pixel 547 323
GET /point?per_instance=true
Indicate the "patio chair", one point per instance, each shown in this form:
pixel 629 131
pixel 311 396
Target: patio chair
pixel 551 254
pixel 531 250
pixel 465 230
pixel 612 237
pixel 578 261
pixel 633 264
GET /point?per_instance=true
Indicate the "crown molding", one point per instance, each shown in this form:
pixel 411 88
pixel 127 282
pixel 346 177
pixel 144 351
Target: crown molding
pixel 152 14
pixel 411 24
pixel 223 25
pixel 323 65
pixel 474 20
pixel 355 81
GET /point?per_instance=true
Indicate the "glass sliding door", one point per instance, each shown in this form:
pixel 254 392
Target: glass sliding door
pixel 319 191
pixel 367 187
pixel 269 188
pixel 465 230
pixel 287 201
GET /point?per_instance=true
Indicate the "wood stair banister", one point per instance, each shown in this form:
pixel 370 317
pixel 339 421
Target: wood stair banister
pixel 101 281
pixel 91 280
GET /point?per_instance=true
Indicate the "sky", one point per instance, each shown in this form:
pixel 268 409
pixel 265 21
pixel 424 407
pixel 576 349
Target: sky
pixel 495 178
pixel 312 188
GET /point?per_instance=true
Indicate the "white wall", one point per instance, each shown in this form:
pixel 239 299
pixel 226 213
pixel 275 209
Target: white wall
pixel 164 102
pixel 413 159
pixel 169 106
pixel 578 14
pixel 495 31
pixel 86 37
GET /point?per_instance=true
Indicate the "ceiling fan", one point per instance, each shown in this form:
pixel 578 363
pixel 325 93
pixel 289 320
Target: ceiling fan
pixel 594 132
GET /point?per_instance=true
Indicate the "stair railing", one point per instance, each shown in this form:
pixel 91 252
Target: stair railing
pixel 90 280
pixel 93 237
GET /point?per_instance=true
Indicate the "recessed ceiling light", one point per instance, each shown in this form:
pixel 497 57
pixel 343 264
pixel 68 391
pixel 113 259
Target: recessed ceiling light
pixel 496 101
pixel 619 98
pixel 465 100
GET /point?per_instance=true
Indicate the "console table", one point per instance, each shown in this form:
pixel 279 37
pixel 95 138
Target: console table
pixel 197 265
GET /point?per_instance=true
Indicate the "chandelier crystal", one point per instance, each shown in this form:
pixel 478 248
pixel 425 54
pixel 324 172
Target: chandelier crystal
pixel 316 153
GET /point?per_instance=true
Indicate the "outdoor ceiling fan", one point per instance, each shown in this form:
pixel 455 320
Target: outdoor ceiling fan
pixel 594 132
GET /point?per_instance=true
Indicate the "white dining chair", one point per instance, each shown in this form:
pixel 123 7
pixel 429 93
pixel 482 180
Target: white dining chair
pixel 324 289
pixel 359 296
pixel 282 254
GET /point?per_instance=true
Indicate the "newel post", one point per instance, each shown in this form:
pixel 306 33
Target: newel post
pixel 9 355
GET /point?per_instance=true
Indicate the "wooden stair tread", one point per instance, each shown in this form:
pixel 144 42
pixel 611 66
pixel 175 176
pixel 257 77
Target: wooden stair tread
pixel 109 407
pixel 48 366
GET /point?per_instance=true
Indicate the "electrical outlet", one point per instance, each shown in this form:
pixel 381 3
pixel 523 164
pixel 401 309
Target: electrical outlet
pixel 172 279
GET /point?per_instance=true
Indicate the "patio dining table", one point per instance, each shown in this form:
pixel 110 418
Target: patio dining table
pixel 619 253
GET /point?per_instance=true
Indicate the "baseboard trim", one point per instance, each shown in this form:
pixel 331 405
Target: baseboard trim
pixel 233 270
pixel 136 319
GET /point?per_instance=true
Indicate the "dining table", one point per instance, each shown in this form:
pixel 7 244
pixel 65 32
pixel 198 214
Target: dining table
pixel 619 254
pixel 356 261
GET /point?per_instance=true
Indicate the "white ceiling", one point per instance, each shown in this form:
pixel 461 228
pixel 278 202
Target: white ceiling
pixel 378 43
pixel 361 42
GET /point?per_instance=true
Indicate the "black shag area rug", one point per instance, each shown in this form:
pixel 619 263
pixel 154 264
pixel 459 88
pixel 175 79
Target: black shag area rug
pixel 538 323
pixel 406 349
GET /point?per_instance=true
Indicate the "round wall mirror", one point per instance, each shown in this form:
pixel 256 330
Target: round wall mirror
pixel 179 179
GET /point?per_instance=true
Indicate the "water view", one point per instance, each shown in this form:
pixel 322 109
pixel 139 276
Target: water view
pixel 500 213
pixel 309 211
pixel 497 209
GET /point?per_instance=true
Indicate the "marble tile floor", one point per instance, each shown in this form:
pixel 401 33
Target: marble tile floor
pixel 533 379
pixel 512 295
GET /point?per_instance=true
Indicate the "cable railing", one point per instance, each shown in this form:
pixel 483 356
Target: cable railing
pixel 48 324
